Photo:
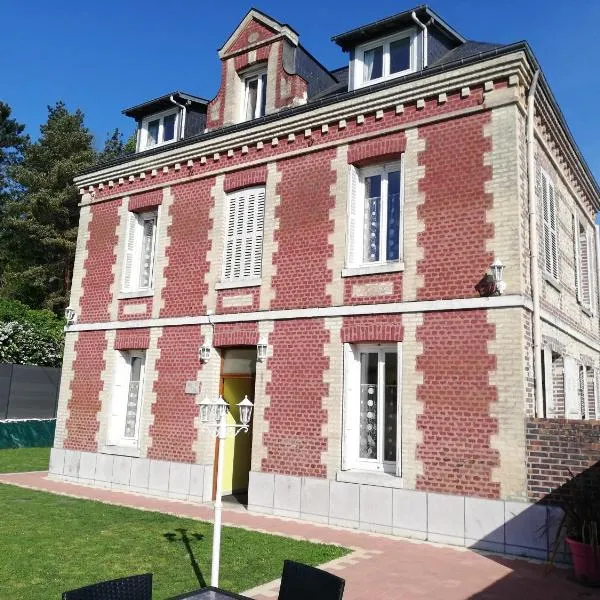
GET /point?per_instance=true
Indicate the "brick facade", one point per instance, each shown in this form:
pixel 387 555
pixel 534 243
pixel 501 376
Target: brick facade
pixel 466 362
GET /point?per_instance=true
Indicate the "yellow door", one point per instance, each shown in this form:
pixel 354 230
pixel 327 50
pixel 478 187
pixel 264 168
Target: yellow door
pixel 236 460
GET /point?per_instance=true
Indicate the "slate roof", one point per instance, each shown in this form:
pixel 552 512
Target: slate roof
pixel 467 50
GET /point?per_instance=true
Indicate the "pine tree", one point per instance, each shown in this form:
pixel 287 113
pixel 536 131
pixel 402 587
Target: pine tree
pixel 12 142
pixel 39 229
pixel 114 147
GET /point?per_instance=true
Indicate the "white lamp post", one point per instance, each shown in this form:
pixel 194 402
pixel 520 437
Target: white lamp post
pixel 213 413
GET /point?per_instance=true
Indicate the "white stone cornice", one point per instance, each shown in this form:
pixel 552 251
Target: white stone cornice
pixel 493 302
pixel 500 67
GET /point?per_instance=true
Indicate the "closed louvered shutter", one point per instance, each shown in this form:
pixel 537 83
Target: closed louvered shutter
pixel 244 235
pixel 119 399
pixel 585 267
pixel 576 258
pixel 553 231
pixel 354 241
pixel 129 257
pixel 350 441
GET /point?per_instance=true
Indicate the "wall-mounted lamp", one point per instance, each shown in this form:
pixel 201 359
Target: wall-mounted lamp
pixel 497 269
pixel 205 351
pixel 70 315
pixel 261 350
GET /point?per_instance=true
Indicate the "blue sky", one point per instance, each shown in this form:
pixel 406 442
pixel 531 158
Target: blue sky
pixel 106 55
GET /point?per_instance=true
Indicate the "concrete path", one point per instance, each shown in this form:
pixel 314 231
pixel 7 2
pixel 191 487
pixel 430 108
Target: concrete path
pixel 381 567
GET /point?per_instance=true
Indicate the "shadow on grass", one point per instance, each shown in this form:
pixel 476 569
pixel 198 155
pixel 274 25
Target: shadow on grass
pixel 183 537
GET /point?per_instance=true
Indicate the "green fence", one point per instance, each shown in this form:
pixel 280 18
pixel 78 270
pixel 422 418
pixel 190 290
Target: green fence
pixel 27 433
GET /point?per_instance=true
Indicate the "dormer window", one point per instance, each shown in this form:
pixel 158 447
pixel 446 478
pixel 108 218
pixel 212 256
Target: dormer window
pixel 255 96
pixel 159 129
pixel 385 58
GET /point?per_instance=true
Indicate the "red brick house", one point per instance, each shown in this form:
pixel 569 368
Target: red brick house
pixel 344 222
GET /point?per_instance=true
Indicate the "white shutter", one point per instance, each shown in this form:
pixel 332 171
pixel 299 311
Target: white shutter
pixel 546 221
pixel 548 382
pixel 399 414
pixel 585 267
pixel 553 231
pixel 350 408
pixel 244 238
pixel 572 403
pixel 576 257
pixel 354 210
pixel 258 233
pixel 130 246
pixel 118 402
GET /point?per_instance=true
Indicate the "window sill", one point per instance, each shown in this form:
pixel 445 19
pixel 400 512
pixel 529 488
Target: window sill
pixel 375 478
pixel 121 450
pixel 552 282
pixel 394 267
pixel 136 294
pixel 240 283
pixel 587 311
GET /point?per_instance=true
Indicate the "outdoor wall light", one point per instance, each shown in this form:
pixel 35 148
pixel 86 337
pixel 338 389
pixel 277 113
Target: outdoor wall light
pixel 245 408
pixel 497 269
pixel 261 350
pixel 70 315
pixel 204 352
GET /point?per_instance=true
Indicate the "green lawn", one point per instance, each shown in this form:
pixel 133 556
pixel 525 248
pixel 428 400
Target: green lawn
pixel 24 459
pixel 51 543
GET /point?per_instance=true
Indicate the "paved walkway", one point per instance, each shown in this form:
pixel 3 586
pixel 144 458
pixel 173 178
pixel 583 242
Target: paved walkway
pixel 381 567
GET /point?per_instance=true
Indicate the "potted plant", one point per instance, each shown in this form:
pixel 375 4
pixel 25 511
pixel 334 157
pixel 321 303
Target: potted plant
pixel 579 499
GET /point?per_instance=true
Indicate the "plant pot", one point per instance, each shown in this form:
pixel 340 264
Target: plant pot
pixel 586 562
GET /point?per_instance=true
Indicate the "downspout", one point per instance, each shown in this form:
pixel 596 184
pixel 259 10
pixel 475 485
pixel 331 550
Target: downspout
pixel 424 28
pixel 534 245
pixel 182 124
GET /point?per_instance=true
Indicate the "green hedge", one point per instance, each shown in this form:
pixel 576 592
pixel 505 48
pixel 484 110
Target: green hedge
pixel 27 434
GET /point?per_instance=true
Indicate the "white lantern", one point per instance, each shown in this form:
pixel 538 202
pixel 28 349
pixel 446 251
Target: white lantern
pixel 206 410
pixel 245 407
pixel 204 352
pixel 221 408
pixel 70 315
pixel 497 269
pixel 261 350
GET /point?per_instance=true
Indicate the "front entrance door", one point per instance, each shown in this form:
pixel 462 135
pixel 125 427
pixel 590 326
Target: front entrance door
pixel 237 381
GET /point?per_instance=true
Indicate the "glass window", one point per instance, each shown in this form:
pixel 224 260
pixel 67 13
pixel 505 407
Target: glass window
pixel 168 128
pixel 377 407
pixel 373 63
pixel 381 214
pixel 138 262
pixel 256 96
pixel 152 138
pixel 400 55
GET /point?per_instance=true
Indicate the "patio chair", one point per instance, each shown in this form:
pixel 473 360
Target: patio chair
pixel 136 587
pixel 301 582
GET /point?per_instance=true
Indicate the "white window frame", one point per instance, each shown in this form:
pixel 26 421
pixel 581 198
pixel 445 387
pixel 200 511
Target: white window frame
pixel 243 249
pixel 351 410
pixel 359 58
pixel 120 398
pixel 549 226
pixel 144 138
pixel 133 252
pixel 261 92
pixel 356 216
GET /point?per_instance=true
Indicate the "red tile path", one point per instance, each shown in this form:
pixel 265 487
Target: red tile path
pixel 381 568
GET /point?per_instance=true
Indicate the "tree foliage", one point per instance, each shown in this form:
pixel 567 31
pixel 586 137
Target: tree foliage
pixel 30 337
pixel 114 147
pixel 40 225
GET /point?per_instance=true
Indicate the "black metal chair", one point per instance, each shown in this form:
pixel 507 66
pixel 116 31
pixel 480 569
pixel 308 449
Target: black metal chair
pixel 136 587
pixel 301 582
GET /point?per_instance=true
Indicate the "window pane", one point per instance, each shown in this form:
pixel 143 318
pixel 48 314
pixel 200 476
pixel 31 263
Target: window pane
pixel 152 138
pixel 168 128
pixel 368 405
pixel 373 63
pixel 133 397
pixel 263 95
pixel 372 218
pixel 393 216
pixel 251 97
pixel 146 257
pixel 391 401
pixel 400 55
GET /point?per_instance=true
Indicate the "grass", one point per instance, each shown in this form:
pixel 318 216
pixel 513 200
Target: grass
pixel 50 543
pixel 17 460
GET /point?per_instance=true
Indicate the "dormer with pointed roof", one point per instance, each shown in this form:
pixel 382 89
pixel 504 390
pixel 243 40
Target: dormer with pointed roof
pixel 263 69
